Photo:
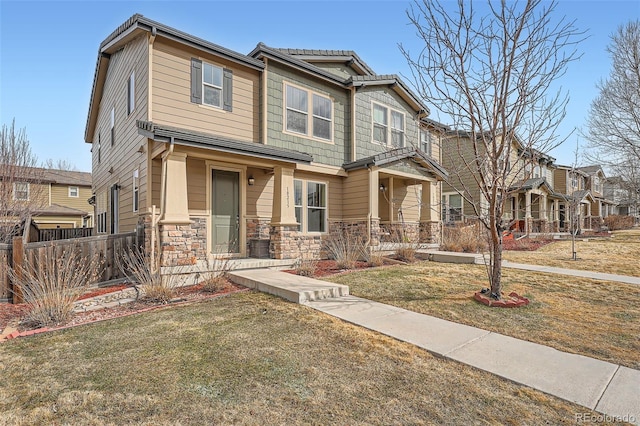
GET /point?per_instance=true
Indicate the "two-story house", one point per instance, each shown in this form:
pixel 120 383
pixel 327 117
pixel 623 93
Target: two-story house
pixel 624 195
pixel 532 205
pixel 583 191
pixel 55 198
pixel 225 152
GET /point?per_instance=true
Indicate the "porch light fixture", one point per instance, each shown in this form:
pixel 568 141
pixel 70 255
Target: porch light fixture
pixel 251 180
pixel 382 188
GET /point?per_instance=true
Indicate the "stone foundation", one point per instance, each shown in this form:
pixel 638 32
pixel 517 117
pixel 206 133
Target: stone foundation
pixel 257 229
pixel 183 244
pixel 289 243
pixel 400 233
pixel 430 232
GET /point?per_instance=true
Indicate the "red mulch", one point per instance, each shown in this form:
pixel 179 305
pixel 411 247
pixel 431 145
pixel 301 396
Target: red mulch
pixel 325 268
pixel 12 314
pixel 103 290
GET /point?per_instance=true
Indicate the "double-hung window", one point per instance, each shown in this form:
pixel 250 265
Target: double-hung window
pixel 451 207
pixel 388 126
pixel 21 191
pixel 425 141
pixel 211 85
pixel 310 200
pixel 73 192
pixel 308 113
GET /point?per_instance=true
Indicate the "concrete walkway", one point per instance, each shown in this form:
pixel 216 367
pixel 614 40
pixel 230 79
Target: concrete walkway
pixel 573 272
pixel 602 386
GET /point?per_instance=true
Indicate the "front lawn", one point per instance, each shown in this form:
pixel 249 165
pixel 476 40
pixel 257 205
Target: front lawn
pixel 598 319
pixel 619 254
pixel 250 358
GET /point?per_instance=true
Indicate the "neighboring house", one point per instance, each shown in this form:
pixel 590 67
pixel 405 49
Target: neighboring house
pixel 625 198
pixel 57 198
pixel 278 148
pixel 532 204
pixel 583 190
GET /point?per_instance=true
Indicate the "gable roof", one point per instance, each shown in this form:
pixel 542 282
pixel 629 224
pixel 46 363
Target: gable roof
pixel 358 81
pixel 54 176
pixel 185 137
pixel 132 28
pixel 58 210
pixel 348 57
pixel 394 155
pixel 590 170
pixel 536 183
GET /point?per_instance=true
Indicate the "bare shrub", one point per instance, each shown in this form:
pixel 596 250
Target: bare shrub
pixel 217 269
pixel 374 258
pixel 305 267
pixel 466 239
pixel 51 287
pixel 346 247
pixel 617 222
pixel 406 245
pixel 155 288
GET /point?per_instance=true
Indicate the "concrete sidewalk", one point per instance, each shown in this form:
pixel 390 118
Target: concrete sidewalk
pixel 608 388
pixel 573 272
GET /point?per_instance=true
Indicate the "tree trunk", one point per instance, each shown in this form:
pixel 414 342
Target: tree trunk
pixel 495 269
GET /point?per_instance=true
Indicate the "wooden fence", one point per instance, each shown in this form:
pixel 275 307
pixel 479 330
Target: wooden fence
pixel 108 248
pixel 5 262
pixel 63 233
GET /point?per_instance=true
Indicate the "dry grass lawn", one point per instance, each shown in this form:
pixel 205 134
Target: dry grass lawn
pixel 587 317
pixel 617 255
pixel 250 359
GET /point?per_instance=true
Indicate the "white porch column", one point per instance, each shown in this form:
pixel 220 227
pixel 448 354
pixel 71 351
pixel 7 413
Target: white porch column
pixel 544 214
pixel 284 212
pixel 176 206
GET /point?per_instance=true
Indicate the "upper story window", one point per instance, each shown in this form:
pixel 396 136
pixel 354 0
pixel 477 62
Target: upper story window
pixel 388 126
pixel 597 184
pixel 73 192
pixel 425 141
pixel 298 103
pixel 211 85
pixel 21 191
pixel 574 181
pixel 310 201
pixel 131 93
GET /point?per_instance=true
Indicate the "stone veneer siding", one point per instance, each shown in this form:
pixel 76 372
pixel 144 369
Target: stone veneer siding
pixel 289 243
pixel 430 232
pixel 184 244
pixel 401 233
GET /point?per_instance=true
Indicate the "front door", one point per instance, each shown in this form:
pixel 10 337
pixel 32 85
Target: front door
pixel 225 212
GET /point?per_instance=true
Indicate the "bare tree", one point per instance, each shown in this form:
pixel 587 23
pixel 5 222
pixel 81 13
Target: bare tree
pixel 21 192
pixel 614 116
pixel 494 76
pixel 59 165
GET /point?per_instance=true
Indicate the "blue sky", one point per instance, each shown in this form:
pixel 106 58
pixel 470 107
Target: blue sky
pixel 48 51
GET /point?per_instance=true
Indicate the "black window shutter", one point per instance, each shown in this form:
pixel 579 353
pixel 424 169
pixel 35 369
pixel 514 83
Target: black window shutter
pixel 196 81
pixel 227 90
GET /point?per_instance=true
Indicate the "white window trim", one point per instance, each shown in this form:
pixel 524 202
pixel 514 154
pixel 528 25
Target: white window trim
pixel 305 207
pixel 429 142
pixel 77 190
pixel 389 126
pixel 135 196
pixel 221 87
pixel 15 191
pixel 309 113
pixel 446 206
pixel 131 93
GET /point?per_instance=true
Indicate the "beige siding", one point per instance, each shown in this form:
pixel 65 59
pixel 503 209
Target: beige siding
pixel 118 161
pixel 406 197
pixel 560 181
pixel 260 194
pixel 52 222
pixel 171 87
pixel 60 196
pixel 196 186
pixel 356 195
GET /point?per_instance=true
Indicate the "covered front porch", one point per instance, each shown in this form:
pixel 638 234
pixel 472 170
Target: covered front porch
pixel 535 208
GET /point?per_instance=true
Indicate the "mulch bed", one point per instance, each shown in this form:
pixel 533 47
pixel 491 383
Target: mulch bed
pixel 11 314
pixel 326 268
pixel 525 244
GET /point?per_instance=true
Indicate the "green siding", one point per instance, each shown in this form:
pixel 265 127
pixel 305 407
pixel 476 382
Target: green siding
pixel 364 121
pixel 336 153
pixel 339 69
pixel 406 166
